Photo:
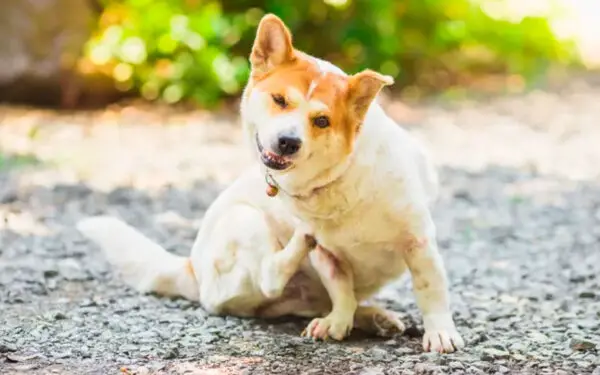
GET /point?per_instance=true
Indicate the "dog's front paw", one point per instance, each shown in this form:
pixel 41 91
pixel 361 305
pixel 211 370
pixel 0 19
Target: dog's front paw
pixel 335 327
pixel 440 334
pixel 442 341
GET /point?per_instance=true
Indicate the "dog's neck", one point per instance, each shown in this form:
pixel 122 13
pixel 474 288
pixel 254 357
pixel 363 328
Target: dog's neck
pixel 305 190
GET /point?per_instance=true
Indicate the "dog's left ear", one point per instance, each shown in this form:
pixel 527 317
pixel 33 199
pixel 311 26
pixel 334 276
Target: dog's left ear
pixel 272 46
pixel 363 88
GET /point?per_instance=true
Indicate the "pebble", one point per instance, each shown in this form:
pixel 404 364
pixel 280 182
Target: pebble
pixel 404 350
pixel 538 337
pixel 518 347
pixel 7 348
pixel 60 316
pixel 582 345
pixel 490 354
pixel 587 294
pixel 378 354
pixel 372 371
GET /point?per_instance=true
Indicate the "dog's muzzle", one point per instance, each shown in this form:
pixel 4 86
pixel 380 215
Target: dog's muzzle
pixel 270 159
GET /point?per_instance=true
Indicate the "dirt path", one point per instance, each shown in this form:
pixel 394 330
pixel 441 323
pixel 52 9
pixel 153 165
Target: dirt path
pixel 519 225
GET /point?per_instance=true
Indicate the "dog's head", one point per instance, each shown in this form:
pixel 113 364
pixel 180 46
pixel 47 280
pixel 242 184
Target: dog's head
pixel 303 117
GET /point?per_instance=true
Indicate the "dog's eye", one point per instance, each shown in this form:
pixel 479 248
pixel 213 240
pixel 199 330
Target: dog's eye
pixel 279 100
pixel 321 122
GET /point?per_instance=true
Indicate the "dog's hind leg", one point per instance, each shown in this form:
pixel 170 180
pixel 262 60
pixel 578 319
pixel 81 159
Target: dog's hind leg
pixel 278 268
pixel 242 263
pixel 378 321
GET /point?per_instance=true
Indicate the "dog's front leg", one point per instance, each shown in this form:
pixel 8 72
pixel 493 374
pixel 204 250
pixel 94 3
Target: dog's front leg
pixel 431 290
pixel 337 278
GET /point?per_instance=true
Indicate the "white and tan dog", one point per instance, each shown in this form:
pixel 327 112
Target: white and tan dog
pixel 343 174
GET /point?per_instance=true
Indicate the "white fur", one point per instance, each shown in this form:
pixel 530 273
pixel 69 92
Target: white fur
pixel 371 211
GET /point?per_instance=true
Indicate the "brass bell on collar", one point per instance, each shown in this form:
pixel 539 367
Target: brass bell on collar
pixel 272 190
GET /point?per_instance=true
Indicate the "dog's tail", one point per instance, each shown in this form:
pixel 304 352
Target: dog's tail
pixel 142 263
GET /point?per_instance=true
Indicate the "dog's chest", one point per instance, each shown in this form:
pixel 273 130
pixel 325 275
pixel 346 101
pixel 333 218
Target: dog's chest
pixel 372 242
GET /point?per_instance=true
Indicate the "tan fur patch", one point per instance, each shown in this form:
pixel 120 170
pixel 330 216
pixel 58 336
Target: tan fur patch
pixel 333 264
pixel 189 268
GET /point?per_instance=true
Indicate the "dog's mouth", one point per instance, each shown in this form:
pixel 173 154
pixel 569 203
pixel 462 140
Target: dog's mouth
pixel 270 159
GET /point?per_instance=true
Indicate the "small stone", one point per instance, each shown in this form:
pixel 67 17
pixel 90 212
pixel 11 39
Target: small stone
pixel 7 348
pixel 518 347
pixel 475 370
pixel 62 355
pixel 404 351
pixel 213 322
pixel 50 273
pixel 583 364
pixel 425 368
pixel 88 303
pixel 494 316
pixel 456 365
pixel 371 371
pixel 8 196
pixel 596 371
pixel 582 345
pixel 498 346
pixel 60 316
pixel 587 294
pixel 356 366
pixel 71 270
pixel 479 339
pixel 489 354
pixel 540 338
pixel 378 354
pixel 14 358
pixel 172 353
pixel 407 365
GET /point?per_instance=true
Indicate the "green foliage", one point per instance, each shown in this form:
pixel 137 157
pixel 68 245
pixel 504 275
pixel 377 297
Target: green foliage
pixel 178 49
pixel 16 161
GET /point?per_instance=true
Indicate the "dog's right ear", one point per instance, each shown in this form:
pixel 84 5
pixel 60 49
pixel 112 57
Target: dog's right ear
pixel 272 46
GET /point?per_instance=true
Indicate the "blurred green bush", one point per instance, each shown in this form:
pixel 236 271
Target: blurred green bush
pixel 194 49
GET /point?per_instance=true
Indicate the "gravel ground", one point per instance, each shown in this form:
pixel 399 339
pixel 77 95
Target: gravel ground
pixel 519 227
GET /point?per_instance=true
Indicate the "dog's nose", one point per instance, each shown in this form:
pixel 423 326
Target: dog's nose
pixel 287 145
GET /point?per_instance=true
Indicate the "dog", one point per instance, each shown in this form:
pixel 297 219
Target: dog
pixel 338 206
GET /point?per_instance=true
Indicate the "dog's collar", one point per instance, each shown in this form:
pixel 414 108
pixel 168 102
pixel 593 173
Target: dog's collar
pixel 273 188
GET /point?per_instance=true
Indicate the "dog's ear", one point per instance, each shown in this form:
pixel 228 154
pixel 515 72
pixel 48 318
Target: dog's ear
pixel 363 88
pixel 272 46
